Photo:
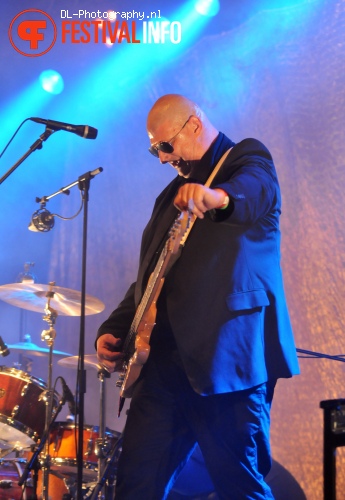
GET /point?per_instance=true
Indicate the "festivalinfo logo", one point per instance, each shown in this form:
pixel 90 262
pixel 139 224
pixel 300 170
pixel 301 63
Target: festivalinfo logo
pixel 33 32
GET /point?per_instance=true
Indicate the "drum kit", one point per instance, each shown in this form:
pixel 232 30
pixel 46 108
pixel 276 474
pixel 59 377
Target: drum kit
pixel 38 454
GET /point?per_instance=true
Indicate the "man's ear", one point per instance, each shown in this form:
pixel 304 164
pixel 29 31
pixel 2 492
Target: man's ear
pixel 196 125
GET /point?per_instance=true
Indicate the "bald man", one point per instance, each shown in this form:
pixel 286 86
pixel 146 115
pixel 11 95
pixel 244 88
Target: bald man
pixel 222 335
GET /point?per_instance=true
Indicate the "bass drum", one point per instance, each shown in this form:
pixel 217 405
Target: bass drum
pixel 22 408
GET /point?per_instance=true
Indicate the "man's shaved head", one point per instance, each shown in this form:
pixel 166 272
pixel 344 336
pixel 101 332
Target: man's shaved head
pixel 176 118
pixel 173 108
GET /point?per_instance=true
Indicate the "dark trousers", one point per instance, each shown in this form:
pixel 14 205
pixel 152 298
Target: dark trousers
pixel 167 418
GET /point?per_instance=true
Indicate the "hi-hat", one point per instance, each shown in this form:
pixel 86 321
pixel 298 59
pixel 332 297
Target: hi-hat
pixel 34 297
pixel 90 361
pixel 35 350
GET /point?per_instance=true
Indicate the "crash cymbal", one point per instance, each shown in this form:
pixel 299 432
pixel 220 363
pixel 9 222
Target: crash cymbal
pixel 90 361
pixel 33 296
pixel 35 350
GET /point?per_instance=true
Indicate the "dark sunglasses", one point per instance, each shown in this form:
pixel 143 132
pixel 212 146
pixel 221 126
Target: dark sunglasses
pixel 166 146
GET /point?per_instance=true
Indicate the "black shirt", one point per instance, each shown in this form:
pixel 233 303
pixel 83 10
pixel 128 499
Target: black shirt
pixel 162 337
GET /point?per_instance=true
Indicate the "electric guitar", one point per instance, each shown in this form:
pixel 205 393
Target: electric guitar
pixel 136 346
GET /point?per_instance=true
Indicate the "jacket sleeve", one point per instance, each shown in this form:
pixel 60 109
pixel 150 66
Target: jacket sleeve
pixel 120 319
pixel 253 190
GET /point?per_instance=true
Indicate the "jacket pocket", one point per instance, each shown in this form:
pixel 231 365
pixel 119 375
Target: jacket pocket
pixel 251 299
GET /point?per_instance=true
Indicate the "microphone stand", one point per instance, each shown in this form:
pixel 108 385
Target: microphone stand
pixel 83 183
pixel 333 426
pixel 84 186
pixel 36 145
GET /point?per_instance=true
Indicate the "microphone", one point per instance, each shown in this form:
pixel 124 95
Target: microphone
pixel 84 131
pixel 41 221
pixel 68 396
pixel 4 350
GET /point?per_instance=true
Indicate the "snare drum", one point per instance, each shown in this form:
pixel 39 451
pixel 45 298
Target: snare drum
pixel 10 473
pixel 22 408
pixel 63 449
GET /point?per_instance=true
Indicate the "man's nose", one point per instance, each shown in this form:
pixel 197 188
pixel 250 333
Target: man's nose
pixel 163 157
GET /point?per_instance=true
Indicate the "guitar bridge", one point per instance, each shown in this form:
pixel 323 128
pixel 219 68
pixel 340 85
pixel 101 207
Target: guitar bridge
pixel 119 382
pixel 121 377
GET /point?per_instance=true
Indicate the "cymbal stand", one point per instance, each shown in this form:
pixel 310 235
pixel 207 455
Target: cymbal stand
pixel 102 449
pixel 108 471
pixel 48 336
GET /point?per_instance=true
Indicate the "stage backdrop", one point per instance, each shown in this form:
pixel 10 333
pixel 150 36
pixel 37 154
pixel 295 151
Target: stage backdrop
pixel 278 76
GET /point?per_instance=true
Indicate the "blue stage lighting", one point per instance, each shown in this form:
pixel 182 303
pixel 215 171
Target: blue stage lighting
pixel 51 81
pixel 207 8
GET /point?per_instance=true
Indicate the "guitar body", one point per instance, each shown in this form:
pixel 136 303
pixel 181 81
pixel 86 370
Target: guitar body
pixel 142 348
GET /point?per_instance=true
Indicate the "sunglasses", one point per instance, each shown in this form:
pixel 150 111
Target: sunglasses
pixel 166 146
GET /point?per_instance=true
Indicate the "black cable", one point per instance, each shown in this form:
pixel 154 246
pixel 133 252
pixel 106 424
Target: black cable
pixel 13 136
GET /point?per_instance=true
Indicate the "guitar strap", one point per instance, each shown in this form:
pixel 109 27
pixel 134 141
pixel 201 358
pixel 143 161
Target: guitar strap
pixel 207 184
pixel 192 217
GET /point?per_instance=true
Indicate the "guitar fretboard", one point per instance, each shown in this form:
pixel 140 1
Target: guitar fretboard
pixel 145 302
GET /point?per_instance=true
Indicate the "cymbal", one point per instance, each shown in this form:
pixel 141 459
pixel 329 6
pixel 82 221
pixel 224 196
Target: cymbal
pixel 34 349
pixel 90 361
pixel 33 296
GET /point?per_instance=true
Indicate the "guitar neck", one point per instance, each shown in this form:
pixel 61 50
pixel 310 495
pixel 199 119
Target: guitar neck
pixel 165 261
pixel 148 297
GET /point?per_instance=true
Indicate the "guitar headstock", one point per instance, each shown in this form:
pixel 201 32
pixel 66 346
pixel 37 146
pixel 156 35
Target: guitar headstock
pixel 178 231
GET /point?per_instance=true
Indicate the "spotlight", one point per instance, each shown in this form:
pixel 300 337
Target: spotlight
pixel 51 81
pixel 207 8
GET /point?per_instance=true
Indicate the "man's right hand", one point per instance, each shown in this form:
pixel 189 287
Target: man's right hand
pixel 108 352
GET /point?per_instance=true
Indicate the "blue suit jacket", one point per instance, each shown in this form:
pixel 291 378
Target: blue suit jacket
pixel 224 297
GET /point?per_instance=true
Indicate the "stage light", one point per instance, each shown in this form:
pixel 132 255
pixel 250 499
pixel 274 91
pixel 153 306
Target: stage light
pixel 51 81
pixel 207 8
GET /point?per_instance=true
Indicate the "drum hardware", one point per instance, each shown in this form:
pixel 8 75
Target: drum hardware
pixel 27 276
pixel 108 473
pixel 4 350
pixel 89 448
pixel 107 455
pixel 14 413
pixel 102 450
pixel 48 336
